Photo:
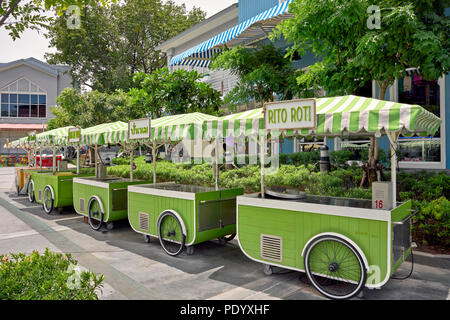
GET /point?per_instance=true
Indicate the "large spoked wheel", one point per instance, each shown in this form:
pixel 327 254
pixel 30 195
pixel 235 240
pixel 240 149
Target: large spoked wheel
pixel 171 234
pixel 335 267
pixel 48 200
pixel 95 214
pixel 30 191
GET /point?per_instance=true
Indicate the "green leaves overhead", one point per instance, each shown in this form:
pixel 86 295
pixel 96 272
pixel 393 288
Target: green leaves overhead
pixel 181 91
pixel 115 42
pixel 410 35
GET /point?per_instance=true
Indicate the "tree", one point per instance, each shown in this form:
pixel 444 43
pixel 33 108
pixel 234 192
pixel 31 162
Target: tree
pixel 355 48
pixel 167 93
pixel 18 15
pixel 263 72
pixel 115 42
pixel 90 109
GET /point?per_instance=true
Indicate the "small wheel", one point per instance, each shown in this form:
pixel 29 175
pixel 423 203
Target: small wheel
pixel 171 234
pixel 110 225
pixel 229 237
pixel 147 238
pixel 48 200
pixel 30 191
pixel 335 267
pixel 268 270
pixel 95 214
pixel 222 241
pixel 190 250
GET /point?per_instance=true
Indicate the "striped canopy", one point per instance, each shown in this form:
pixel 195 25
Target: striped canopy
pixel 246 32
pixel 177 127
pixel 53 137
pixel 20 143
pixel 106 133
pixel 336 116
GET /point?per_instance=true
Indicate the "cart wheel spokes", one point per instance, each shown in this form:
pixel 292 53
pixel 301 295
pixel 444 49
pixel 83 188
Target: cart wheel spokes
pixel 95 214
pixel 30 190
pixel 171 234
pixel 335 268
pixel 48 200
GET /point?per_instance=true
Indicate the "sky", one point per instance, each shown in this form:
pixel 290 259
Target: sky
pixel 34 44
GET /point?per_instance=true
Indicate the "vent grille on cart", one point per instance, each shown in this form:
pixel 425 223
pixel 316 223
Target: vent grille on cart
pixel 144 221
pixel 82 205
pixel 271 247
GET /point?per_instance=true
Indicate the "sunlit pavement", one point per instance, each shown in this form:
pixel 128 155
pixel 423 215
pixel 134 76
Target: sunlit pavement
pixel 134 269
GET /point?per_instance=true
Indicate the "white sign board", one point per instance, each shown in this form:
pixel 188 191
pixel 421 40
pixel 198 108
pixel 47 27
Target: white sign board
pixel 293 114
pixel 139 129
pixel 74 135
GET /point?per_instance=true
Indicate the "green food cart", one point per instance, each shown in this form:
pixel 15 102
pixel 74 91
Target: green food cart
pixel 101 198
pixel 342 244
pixel 52 189
pixel 182 215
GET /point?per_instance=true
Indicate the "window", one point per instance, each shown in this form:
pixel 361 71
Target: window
pixel 413 89
pixel 23 99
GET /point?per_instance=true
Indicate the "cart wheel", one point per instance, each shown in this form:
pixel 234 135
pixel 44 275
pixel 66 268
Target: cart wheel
pixel 171 234
pixel 335 268
pixel 229 237
pixel 110 225
pixel 48 200
pixel 147 238
pixel 190 250
pixel 268 270
pixel 95 214
pixel 222 241
pixel 30 191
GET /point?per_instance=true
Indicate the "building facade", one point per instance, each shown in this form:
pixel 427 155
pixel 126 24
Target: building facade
pixel 416 152
pixel 28 88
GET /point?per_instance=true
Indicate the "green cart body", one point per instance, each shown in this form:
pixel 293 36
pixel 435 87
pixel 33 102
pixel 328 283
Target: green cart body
pixel 205 213
pixel 60 185
pixel 277 232
pixel 111 193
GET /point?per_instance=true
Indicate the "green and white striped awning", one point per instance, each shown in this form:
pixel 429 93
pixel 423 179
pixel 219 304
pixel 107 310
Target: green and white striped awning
pixel 335 116
pixel 56 137
pixel 179 127
pixel 106 133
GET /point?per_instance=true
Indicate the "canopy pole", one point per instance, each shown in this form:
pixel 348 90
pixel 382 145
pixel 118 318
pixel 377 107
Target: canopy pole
pixel 393 137
pixel 78 159
pixel 262 140
pixel 40 157
pixel 216 164
pixel 131 163
pixel 95 161
pixel 54 160
pixel 154 162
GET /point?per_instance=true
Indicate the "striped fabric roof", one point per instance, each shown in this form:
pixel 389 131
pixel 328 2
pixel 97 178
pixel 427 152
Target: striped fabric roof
pixel 336 115
pixel 53 137
pixel 106 133
pixel 250 30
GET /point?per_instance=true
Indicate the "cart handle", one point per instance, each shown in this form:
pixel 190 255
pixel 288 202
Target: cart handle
pixel 219 200
pixel 406 219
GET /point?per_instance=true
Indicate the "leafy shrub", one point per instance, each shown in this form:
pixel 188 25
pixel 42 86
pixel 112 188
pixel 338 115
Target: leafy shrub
pixel 44 277
pixel 432 222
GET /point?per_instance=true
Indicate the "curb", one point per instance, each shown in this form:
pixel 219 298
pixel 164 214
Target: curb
pixel 432 260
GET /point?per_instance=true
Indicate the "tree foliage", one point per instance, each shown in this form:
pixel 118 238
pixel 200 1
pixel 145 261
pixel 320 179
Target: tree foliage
pixel 166 93
pixel 115 42
pixel 410 35
pixel 75 108
pixel 263 72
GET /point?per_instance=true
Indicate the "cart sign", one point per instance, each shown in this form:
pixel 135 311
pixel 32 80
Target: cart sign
pixel 139 129
pixel 74 134
pixel 293 114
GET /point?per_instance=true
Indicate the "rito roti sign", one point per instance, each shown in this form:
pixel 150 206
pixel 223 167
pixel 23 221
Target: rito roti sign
pixel 293 114
pixel 139 129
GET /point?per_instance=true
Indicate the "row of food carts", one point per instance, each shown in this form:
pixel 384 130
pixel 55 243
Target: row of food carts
pixel 342 244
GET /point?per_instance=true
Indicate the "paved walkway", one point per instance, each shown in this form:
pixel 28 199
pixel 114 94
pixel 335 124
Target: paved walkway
pixel 134 269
